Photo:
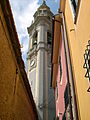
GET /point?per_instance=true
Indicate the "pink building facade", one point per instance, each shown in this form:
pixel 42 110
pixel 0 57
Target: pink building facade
pixel 61 83
pixel 59 76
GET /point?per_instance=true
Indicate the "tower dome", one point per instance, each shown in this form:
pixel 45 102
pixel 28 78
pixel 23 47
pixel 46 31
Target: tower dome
pixel 43 10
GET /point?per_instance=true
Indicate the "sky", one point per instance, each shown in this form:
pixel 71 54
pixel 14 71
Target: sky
pixel 23 11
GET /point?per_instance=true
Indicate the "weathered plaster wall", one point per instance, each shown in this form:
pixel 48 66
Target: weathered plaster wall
pixel 15 103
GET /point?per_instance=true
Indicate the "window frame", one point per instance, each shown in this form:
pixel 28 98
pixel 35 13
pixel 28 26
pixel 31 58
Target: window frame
pixel 73 2
pixel 75 12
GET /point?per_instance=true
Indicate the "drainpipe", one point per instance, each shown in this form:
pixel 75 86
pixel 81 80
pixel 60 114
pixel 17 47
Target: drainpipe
pixel 74 111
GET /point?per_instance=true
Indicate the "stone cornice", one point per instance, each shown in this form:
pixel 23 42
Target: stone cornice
pixel 39 46
pixel 37 22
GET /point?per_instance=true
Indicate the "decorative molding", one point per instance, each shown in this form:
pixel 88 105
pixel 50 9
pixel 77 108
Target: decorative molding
pixel 37 22
pixel 87 63
pixel 33 63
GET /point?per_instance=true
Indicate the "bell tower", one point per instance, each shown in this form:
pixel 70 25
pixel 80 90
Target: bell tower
pixel 39 62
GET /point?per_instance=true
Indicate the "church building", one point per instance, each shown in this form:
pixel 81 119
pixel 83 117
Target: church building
pixel 39 62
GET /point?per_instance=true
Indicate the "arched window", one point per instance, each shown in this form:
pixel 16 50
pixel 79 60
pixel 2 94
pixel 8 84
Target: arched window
pixel 48 37
pixel 34 39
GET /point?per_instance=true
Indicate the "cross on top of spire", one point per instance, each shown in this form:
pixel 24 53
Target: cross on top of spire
pixel 44 1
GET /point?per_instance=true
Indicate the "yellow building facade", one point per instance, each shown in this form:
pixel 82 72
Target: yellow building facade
pixel 76 30
pixel 16 100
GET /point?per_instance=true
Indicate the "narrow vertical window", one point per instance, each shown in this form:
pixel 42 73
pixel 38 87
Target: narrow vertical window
pixel 66 96
pixel 60 68
pixel 64 116
pixel 48 37
pixel 57 89
pixel 74 4
pixel 57 118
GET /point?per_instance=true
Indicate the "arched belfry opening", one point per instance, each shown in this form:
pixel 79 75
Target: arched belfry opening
pixel 49 38
pixel 35 37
